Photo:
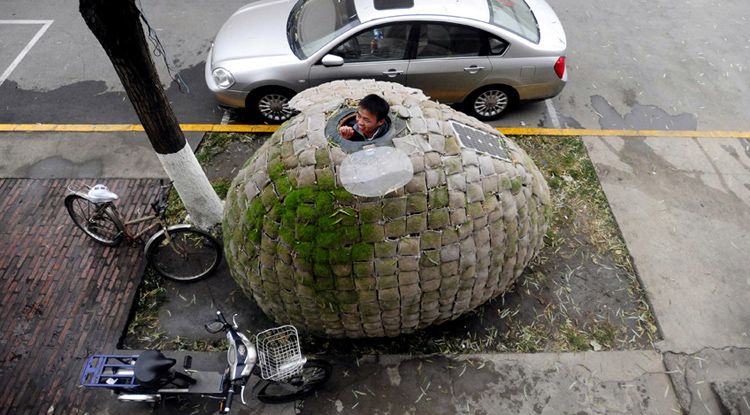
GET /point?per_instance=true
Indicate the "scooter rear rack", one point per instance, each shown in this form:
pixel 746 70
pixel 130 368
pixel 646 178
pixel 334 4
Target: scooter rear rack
pixel 110 371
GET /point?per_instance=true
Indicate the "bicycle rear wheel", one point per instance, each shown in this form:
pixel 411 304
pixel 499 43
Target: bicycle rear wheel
pixel 188 255
pixel 314 374
pixel 98 221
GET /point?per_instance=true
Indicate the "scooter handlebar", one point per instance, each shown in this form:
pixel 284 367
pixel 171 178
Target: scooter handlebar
pixel 228 401
pixel 220 317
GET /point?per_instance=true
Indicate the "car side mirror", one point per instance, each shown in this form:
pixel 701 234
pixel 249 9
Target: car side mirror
pixel 332 60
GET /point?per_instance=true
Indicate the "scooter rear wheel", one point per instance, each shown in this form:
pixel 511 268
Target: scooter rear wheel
pixel 314 374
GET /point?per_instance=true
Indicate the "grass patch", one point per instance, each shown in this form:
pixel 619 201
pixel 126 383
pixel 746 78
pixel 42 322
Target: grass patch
pixel 583 234
pixel 144 330
pixel 176 212
pixel 150 297
pixel 215 143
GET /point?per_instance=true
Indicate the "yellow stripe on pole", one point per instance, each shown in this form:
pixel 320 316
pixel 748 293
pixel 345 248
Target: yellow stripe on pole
pixel 247 128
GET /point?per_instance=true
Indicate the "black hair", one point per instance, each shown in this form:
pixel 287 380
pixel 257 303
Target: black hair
pixel 376 105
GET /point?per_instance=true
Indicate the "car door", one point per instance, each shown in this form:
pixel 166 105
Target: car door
pixel 377 53
pixel 450 61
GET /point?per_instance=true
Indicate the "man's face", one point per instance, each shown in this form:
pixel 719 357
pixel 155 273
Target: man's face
pixel 367 121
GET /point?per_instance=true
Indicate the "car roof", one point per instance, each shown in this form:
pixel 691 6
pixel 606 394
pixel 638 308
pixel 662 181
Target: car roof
pixel 470 9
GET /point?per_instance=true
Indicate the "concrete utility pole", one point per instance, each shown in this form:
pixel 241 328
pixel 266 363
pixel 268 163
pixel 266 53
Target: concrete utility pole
pixel 117 26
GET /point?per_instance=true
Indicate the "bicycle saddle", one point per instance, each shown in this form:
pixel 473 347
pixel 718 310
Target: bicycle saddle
pixel 152 365
pixel 101 194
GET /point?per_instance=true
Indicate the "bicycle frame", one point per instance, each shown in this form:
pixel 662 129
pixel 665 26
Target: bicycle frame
pixel 178 252
pixel 127 225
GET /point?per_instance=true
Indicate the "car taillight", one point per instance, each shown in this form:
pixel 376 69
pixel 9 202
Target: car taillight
pixel 560 67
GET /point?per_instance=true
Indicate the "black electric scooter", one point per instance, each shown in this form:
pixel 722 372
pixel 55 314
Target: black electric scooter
pixel 285 375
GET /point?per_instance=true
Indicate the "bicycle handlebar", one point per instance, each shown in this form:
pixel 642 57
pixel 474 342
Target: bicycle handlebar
pixel 160 205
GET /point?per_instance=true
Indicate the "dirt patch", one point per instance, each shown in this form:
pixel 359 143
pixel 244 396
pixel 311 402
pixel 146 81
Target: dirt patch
pixel 580 293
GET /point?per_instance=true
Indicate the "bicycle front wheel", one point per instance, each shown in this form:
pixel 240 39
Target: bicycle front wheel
pixel 314 374
pixel 96 220
pixel 187 255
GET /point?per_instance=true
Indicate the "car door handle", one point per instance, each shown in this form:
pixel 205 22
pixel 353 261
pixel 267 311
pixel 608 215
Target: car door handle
pixel 473 69
pixel 392 73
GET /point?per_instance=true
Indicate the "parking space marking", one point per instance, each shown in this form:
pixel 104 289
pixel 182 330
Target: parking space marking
pixel 45 25
pixel 225 118
pixel 552 113
pixel 247 128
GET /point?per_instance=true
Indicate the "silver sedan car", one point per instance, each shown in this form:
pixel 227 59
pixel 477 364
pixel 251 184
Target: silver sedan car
pixel 486 54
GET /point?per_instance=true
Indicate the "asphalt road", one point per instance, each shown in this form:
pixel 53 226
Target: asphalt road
pixel 632 65
pixel 659 64
pixel 66 77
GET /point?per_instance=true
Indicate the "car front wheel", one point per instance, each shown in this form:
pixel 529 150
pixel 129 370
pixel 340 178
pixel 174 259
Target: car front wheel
pixel 489 103
pixel 273 105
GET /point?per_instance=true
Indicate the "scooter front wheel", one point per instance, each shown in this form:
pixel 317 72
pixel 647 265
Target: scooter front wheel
pixel 314 374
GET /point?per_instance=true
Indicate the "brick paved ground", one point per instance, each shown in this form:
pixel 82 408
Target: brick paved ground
pixel 62 297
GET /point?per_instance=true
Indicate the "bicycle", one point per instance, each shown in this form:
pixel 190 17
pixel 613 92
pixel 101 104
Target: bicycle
pixel 179 252
pixel 284 374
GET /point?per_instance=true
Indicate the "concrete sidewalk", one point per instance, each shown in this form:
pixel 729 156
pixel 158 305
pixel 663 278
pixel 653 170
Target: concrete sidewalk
pixel 81 155
pixel 683 206
pixel 543 383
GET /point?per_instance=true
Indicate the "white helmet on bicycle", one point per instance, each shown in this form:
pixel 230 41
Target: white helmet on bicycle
pixel 101 194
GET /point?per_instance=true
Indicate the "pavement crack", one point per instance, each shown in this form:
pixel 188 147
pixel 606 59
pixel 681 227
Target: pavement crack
pixel 685 378
pixel 687 370
pixel 703 349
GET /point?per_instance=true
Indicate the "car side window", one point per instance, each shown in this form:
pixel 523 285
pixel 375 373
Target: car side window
pixel 446 40
pixel 497 46
pixel 381 43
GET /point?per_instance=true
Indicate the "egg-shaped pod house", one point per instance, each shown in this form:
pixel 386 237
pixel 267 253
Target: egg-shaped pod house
pixel 382 237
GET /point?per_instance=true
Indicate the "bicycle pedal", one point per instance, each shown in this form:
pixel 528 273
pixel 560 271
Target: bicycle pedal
pixel 188 362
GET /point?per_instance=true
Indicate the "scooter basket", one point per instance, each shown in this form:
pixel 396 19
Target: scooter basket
pixel 279 353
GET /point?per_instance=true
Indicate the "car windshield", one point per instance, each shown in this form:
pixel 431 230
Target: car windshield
pixel 515 16
pixel 314 23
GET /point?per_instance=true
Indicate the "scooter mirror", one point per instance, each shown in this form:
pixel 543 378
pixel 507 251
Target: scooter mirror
pixel 215 327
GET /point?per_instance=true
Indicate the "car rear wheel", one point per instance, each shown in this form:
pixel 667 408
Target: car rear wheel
pixel 490 103
pixel 273 105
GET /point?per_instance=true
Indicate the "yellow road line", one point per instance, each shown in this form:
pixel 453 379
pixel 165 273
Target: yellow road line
pixel 245 128
pixel 625 133
pixel 230 128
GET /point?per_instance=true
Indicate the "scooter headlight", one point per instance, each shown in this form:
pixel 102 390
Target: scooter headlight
pixel 231 356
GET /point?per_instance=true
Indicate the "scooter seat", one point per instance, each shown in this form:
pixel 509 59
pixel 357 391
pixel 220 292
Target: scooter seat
pixel 152 365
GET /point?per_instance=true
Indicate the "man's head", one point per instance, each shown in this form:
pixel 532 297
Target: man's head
pixel 371 113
